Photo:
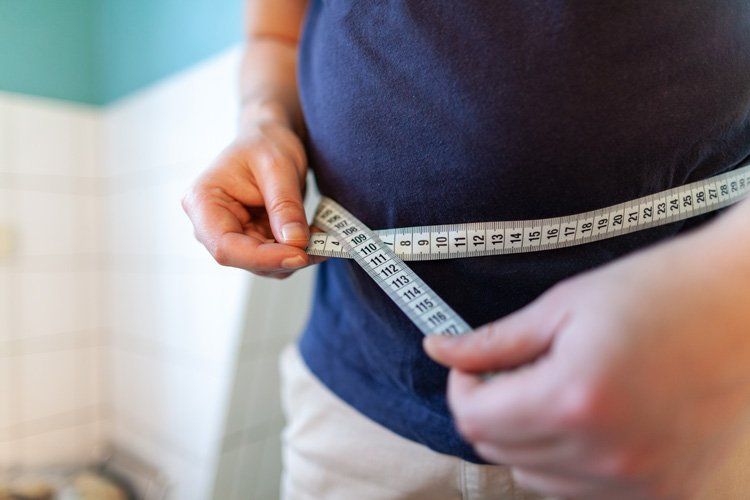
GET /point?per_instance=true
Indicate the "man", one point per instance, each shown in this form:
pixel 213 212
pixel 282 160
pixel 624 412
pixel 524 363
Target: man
pixel 629 380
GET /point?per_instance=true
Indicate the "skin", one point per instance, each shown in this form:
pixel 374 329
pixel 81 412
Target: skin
pixel 246 208
pixel 628 381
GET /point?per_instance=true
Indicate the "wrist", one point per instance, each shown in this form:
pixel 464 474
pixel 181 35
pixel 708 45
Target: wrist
pixel 255 110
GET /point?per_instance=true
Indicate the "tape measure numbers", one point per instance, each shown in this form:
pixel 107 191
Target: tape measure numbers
pixel 382 253
pixel 417 300
pixel 478 239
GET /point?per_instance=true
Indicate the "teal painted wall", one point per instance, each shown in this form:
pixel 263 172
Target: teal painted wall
pixel 97 51
pixel 142 41
pixel 47 48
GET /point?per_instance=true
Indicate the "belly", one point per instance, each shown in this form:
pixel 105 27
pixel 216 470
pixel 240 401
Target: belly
pixel 439 112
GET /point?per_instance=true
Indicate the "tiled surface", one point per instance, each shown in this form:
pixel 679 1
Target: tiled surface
pixel 180 323
pixel 52 302
pixel 189 478
pixel 55 382
pixel 6 414
pixel 50 138
pixel 49 287
pixel 114 323
pixel 254 418
pixel 7 289
pixel 179 400
pixel 56 223
pixel 190 117
pixel 73 444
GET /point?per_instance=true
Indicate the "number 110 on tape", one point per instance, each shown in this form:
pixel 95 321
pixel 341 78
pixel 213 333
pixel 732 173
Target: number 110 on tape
pixel 407 290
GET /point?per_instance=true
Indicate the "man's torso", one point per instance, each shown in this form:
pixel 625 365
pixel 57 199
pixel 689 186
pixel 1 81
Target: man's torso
pixel 423 112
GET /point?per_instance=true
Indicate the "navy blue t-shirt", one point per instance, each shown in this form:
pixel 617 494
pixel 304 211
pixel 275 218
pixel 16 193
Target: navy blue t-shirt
pixel 426 112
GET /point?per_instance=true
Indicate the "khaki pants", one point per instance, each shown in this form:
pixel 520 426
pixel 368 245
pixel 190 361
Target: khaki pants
pixel 331 452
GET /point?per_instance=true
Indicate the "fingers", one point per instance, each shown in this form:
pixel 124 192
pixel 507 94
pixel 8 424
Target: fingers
pixel 231 243
pixel 247 252
pixel 279 181
pixel 548 452
pixel 508 409
pixel 510 342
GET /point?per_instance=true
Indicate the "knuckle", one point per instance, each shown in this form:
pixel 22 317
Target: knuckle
pixel 579 405
pixel 188 199
pixel 520 343
pixel 483 338
pixel 488 334
pixel 194 197
pixel 284 204
pixel 221 255
pixel 184 202
pixel 263 157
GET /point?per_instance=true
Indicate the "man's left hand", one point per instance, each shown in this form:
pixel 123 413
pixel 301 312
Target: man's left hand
pixel 628 381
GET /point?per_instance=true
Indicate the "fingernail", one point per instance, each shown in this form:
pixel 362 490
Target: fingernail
pixel 293 262
pixel 294 232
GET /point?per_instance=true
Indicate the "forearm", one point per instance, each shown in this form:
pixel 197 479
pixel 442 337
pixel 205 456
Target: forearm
pixel 268 83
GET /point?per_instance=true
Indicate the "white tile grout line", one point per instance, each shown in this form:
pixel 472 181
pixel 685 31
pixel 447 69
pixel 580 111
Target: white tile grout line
pixel 24 345
pixel 111 262
pixel 148 347
pixel 155 437
pixel 104 185
pixel 33 427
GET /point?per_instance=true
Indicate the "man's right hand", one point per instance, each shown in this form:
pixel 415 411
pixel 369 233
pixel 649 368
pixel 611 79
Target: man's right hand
pixel 247 207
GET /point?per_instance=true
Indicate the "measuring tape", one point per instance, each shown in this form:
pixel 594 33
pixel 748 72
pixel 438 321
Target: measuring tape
pixel 382 253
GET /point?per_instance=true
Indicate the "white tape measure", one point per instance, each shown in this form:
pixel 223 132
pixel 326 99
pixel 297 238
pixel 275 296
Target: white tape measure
pixel 381 253
pixel 418 301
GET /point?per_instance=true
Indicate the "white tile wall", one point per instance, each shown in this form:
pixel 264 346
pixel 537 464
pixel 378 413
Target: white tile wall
pixel 50 138
pixel 58 446
pixel 115 325
pixel 254 418
pixel 59 301
pixel 6 415
pixel 182 120
pixel 6 293
pixel 187 336
pixel 189 478
pixel 49 286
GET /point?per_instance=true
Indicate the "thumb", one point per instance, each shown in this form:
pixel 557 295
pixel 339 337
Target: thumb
pixel 510 342
pixel 280 185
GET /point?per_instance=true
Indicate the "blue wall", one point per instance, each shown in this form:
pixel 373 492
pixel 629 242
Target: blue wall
pixel 97 51
pixel 141 41
pixel 47 48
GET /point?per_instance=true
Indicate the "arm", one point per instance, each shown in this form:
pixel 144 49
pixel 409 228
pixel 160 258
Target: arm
pixel 247 207
pixel 628 381
pixel 268 83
